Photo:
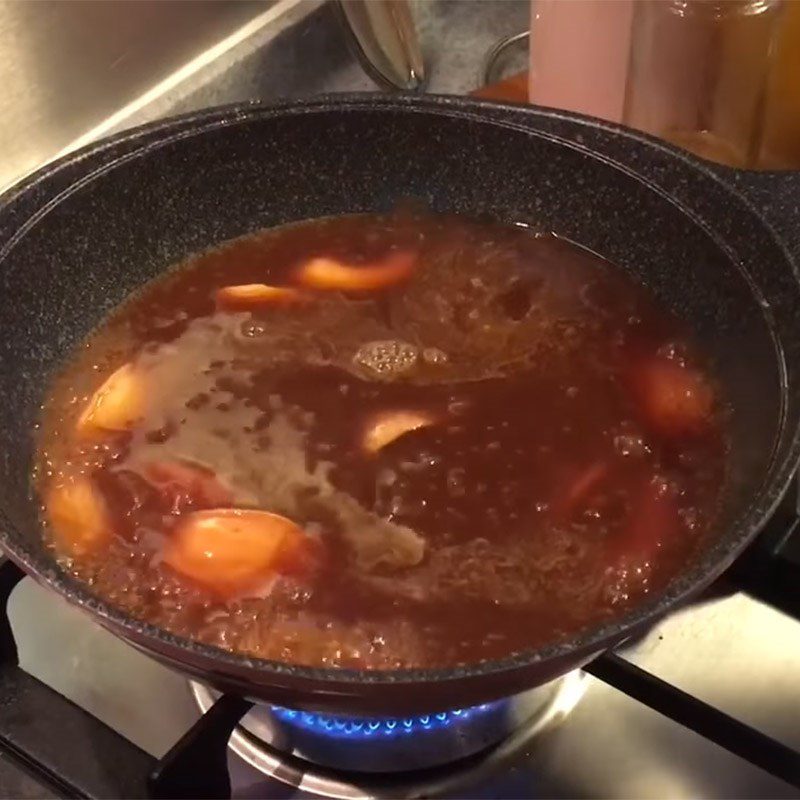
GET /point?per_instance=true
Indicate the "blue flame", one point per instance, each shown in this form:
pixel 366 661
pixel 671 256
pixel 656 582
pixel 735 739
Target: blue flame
pixel 368 728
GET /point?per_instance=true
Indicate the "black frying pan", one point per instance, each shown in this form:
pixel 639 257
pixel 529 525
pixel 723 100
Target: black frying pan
pixel 79 235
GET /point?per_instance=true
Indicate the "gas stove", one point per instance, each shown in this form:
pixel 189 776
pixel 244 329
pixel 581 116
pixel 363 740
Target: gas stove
pixel 707 704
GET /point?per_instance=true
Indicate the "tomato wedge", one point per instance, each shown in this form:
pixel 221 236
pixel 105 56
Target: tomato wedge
pixel 255 295
pixel 117 404
pixel 329 274
pixel 673 399
pixel 232 552
pixel 78 516
pixel 653 520
pixel 386 426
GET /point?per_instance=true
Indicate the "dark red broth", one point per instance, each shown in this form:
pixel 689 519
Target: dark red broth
pixel 478 440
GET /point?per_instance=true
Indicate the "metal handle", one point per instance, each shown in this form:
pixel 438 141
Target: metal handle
pixel 384 38
pixel 497 50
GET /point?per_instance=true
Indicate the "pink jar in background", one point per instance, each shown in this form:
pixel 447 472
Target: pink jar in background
pixel 694 72
pixel 579 55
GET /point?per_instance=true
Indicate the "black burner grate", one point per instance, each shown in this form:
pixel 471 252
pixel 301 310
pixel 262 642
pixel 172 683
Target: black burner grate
pixel 65 747
pixel 54 740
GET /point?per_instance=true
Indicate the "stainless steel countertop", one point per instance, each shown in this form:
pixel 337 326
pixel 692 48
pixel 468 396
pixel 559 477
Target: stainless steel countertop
pixel 733 652
pixel 123 63
pixel 67 67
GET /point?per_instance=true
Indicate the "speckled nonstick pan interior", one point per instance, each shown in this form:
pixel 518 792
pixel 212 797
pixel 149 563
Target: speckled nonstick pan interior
pixel 78 236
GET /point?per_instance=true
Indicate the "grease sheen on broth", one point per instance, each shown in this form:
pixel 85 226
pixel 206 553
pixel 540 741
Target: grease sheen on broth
pixel 476 440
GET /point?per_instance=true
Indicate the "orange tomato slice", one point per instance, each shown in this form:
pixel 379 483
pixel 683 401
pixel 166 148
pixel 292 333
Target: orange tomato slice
pixel 675 400
pixel 387 426
pixel 253 295
pixel 329 274
pixel 232 551
pixel 78 516
pixel 117 404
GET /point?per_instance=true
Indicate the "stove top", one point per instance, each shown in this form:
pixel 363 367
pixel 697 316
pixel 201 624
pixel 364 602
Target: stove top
pixel 704 705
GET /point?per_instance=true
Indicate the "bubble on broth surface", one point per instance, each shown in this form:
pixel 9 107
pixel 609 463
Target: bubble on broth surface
pixel 386 358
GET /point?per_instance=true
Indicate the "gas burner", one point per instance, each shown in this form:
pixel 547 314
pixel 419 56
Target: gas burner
pixel 371 728
pixel 359 757
pixel 369 744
